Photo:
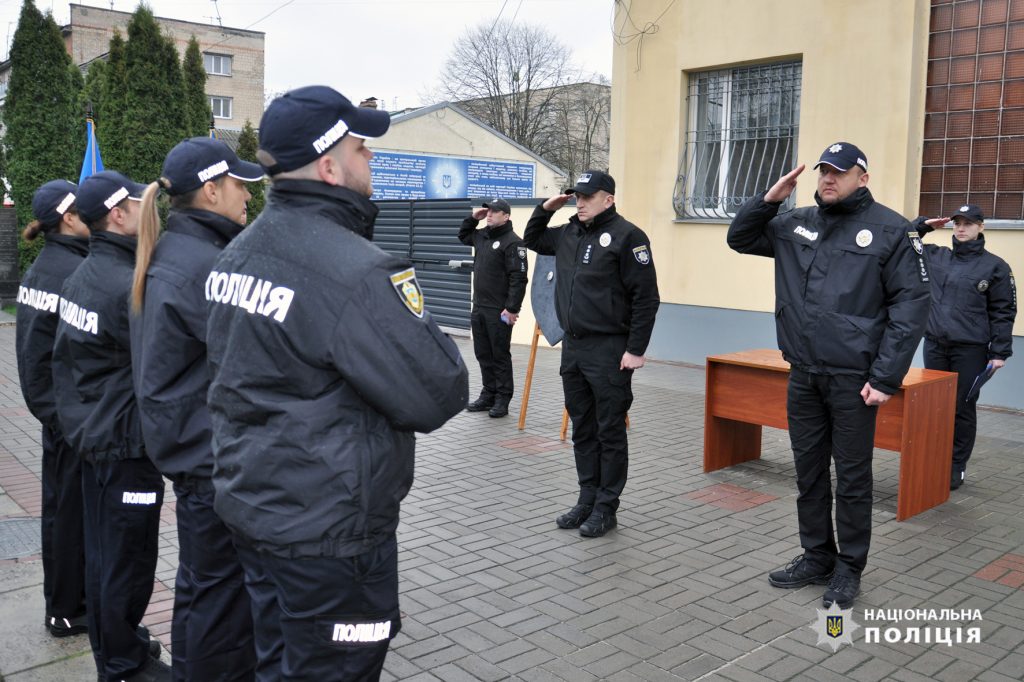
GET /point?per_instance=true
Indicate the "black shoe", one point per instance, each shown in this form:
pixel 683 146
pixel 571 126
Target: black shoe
pixel 500 409
pixel 799 572
pixel 842 590
pixel 956 477
pixel 575 516
pixel 65 627
pixel 481 404
pixel 598 524
pixel 154 670
pixel 154 648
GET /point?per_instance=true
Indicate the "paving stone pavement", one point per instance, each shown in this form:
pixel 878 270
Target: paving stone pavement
pixel 491 589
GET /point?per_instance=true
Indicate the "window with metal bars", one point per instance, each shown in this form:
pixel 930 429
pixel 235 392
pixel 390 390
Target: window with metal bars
pixel 741 137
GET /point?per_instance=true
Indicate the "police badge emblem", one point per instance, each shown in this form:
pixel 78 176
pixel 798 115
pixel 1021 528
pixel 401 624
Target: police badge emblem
pixel 495 245
pixel 521 251
pixel 642 255
pixel 915 241
pixel 864 238
pixel 408 290
pixel 605 239
pixel 983 286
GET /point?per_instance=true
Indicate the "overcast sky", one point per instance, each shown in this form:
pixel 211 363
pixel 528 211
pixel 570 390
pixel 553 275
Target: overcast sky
pixel 389 49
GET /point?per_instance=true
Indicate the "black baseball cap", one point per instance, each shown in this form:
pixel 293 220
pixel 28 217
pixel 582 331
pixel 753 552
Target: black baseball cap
pixel 197 160
pixel 52 200
pixel 843 156
pixel 301 125
pixel 103 191
pixel 970 211
pixel 593 181
pixel 497 205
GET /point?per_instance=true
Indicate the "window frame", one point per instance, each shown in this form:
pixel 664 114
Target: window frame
pixel 217 56
pixel 700 171
pixel 222 98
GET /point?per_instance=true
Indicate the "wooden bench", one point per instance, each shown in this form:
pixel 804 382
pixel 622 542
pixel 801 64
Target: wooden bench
pixel 747 390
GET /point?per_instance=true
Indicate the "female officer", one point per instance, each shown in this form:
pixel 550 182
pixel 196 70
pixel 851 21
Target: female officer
pixel 970 326
pixel 67 243
pixel 211 632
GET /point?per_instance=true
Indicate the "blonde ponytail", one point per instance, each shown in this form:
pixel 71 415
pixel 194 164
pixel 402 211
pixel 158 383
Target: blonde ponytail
pixel 149 232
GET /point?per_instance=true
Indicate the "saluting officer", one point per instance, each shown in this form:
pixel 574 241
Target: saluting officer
pixel 67 243
pixel 851 304
pixel 970 326
pixel 606 299
pixel 324 364
pixel 121 489
pixel 211 632
pixel 499 286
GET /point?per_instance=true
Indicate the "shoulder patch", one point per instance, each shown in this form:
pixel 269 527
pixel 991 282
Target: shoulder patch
pixel 521 252
pixel 642 255
pixel 915 241
pixel 408 290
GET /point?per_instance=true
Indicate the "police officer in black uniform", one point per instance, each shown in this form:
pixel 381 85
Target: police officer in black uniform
pixel 851 304
pixel 606 299
pixel 121 489
pixel 67 243
pixel 211 632
pixel 970 327
pixel 324 364
pixel 499 285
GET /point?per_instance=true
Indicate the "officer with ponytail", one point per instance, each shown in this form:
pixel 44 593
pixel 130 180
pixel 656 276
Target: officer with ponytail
pixel 66 244
pixel 211 632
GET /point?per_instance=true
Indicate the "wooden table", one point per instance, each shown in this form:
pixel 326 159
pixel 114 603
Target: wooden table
pixel 747 390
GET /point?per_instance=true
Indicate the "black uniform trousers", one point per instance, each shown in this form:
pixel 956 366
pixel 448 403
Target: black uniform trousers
pixel 828 421
pixel 598 395
pixel 211 631
pixel 322 618
pixel 968 361
pixel 63 536
pixel 492 345
pixel 122 516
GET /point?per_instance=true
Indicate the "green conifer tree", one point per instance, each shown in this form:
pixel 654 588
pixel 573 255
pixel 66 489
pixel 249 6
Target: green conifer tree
pixel 110 104
pixel 197 104
pixel 45 131
pixel 154 119
pixel 248 143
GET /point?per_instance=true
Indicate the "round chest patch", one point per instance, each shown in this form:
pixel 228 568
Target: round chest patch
pixel 605 239
pixel 551 276
pixel 495 245
pixel 864 238
pixel 983 285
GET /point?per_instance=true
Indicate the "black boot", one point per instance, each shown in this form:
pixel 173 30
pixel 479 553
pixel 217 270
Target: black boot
pixel 500 408
pixel 481 404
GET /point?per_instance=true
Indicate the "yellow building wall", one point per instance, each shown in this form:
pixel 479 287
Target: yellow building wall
pixel 445 132
pixel 863 80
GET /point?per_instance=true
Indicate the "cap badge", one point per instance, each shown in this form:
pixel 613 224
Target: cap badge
pixel 965 208
pixel 584 177
pixel 65 203
pixel 605 239
pixel 115 198
pixel 835 149
pixel 864 238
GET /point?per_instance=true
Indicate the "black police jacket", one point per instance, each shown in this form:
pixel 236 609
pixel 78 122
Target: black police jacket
pixel 851 291
pixel 499 265
pixel 92 372
pixel 974 297
pixel 169 343
pixel 605 278
pixel 324 363
pixel 38 309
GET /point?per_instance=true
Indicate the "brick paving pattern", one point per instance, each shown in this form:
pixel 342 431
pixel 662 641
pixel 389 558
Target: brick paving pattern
pixel 491 589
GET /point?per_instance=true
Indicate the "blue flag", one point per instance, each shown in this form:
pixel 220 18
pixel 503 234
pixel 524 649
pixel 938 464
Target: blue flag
pixel 93 162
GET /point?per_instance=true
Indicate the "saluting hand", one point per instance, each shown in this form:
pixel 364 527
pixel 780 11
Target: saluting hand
pixel 479 213
pixel 630 361
pixel 781 190
pixel 936 223
pixel 556 202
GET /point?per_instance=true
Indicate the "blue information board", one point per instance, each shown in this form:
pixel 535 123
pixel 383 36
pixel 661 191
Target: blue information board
pixel 421 176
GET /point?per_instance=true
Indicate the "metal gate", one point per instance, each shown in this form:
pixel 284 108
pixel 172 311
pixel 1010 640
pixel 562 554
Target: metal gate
pixel 426 232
